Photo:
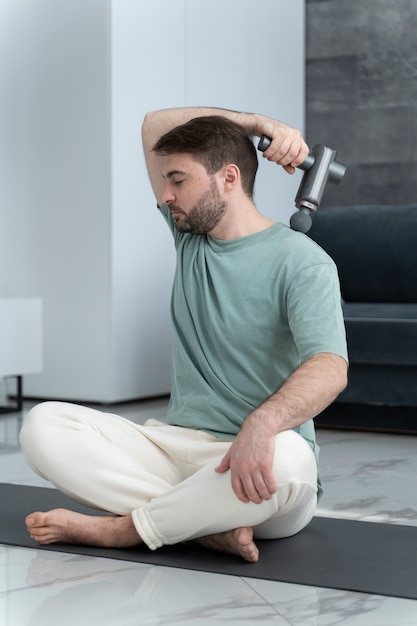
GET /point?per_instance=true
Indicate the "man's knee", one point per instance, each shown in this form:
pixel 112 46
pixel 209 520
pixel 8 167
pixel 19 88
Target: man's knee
pixel 294 459
pixel 35 425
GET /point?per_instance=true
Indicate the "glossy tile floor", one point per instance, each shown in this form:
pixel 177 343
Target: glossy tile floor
pixel 367 476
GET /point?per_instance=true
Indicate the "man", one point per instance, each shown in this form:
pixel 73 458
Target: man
pixel 258 350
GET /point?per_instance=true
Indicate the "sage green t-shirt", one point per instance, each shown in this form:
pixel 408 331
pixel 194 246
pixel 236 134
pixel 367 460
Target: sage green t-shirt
pixel 246 313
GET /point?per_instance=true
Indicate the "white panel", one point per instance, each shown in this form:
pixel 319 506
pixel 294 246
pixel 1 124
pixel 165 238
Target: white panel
pixel 55 211
pixel 218 46
pixel 147 74
pixel 20 336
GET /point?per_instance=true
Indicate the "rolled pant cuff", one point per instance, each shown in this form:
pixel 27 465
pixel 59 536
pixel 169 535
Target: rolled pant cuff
pixel 146 529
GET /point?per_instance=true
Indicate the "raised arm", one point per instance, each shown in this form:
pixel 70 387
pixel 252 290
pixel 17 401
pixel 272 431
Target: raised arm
pixel 287 148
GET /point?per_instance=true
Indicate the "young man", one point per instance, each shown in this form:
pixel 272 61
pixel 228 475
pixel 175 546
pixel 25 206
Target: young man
pixel 258 350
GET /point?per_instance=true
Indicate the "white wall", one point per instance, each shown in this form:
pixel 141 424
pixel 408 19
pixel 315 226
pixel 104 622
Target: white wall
pixel 78 224
pixel 55 184
pixel 147 73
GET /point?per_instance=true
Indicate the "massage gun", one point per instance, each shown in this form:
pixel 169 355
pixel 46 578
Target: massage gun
pixel 319 167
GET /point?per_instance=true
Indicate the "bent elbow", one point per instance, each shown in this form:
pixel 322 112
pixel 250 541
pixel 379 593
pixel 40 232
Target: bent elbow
pixel 343 376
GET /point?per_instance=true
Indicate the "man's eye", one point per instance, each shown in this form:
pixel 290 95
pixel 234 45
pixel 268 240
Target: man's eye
pixel 178 182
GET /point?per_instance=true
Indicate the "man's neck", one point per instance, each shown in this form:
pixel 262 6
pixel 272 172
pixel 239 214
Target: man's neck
pixel 241 222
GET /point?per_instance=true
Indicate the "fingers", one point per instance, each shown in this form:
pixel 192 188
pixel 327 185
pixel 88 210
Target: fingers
pixel 288 153
pixel 287 148
pixel 254 488
pixel 250 461
pixel 224 464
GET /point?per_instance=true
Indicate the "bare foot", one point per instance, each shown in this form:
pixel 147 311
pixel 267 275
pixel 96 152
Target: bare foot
pixel 64 526
pixel 238 541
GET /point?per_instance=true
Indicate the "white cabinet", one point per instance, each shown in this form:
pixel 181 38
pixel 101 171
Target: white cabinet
pixel 78 222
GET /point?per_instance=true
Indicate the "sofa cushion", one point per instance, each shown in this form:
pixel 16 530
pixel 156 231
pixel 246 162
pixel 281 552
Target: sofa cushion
pixel 381 385
pixel 383 334
pixel 374 248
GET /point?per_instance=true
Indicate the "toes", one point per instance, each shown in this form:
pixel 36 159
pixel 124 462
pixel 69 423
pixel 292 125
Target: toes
pixel 30 520
pixel 38 528
pixel 35 519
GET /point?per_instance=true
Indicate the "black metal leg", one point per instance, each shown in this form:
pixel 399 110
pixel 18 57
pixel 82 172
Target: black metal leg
pixel 18 404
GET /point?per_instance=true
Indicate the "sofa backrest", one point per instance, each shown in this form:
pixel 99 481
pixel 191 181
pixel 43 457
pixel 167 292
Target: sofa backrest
pixel 374 248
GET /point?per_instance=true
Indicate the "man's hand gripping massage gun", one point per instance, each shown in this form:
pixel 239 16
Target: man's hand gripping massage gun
pixel 319 167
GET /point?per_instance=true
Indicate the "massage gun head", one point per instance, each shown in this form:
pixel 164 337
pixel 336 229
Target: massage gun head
pixel 301 220
pixel 319 167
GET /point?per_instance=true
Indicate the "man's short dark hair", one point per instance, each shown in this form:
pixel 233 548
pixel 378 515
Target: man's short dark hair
pixel 214 141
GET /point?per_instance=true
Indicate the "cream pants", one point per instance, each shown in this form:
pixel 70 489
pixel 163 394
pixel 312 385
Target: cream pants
pixel 163 475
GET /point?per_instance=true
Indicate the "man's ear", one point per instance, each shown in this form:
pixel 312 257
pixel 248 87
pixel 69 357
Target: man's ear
pixel 230 176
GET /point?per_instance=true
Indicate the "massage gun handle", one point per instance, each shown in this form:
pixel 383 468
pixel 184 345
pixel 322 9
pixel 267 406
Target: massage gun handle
pixel 265 142
pixel 336 170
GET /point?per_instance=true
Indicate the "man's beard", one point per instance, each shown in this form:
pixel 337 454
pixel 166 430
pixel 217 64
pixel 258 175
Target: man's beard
pixel 205 215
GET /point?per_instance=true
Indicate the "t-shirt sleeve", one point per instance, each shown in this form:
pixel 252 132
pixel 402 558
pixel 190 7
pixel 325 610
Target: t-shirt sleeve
pixel 314 308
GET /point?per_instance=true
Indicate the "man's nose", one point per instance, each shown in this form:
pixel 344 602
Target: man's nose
pixel 168 195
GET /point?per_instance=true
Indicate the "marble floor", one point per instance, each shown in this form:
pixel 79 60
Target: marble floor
pixel 367 476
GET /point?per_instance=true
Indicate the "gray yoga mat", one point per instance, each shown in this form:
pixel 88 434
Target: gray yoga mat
pixel 340 554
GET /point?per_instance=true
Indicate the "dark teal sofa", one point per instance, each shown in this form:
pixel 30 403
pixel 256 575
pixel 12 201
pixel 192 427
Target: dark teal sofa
pixel 375 250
